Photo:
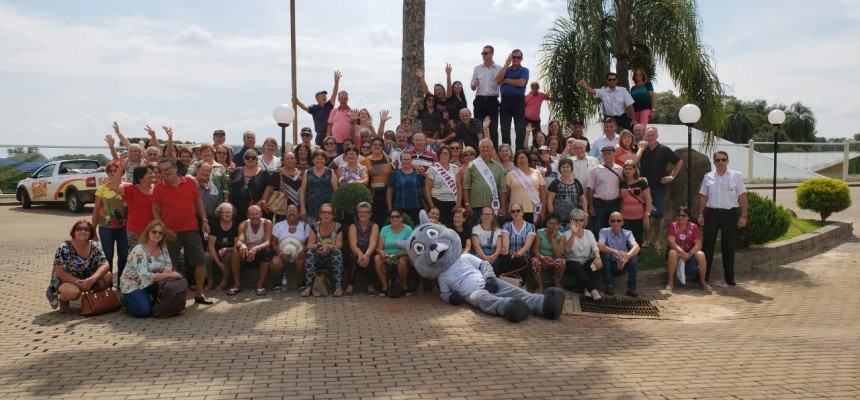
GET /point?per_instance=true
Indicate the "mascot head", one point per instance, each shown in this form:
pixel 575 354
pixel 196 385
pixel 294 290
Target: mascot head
pixel 432 248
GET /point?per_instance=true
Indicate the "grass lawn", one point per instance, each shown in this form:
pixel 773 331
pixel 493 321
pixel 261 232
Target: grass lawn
pixel 651 259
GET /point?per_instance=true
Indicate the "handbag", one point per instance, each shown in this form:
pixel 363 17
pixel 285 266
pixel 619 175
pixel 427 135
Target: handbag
pixel 170 300
pixel 101 302
pixel 278 200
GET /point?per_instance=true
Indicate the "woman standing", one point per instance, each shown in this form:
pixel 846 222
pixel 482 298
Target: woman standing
pixel 635 201
pixel 432 120
pixel 566 193
pixel 109 214
pixel 220 176
pixel 329 149
pixel 580 252
pixel 269 161
pixel 538 141
pixel 379 170
pixel 222 156
pixel 137 197
pixel 388 254
pixel 456 153
pixel 405 188
pixel 148 263
pixel 626 149
pixel 506 155
pixel 323 249
pixel 440 187
pixel 318 185
pixel 79 266
pixel 248 184
pixel 351 171
pixel 469 155
pixel 643 97
pixel 553 129
pixel 183 163
pixel 287 179
pixel 455 95
pixel 548 252
pixel 526 186
pixel 363 235
pixel 518 237
pixel 487 238
pixel 303 157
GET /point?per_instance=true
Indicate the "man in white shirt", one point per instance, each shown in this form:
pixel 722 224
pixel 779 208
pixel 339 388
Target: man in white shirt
pixel 582 163
pixel 486 89
pixel 616 100
pixel 609 138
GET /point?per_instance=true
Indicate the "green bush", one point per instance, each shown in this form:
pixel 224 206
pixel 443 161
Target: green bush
pixel 347 197
pixel 767 221
pixel 824 196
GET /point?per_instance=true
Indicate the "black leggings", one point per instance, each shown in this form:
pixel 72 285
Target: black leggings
pixel 583 272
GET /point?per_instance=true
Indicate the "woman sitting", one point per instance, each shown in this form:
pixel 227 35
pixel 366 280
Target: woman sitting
pixel 518 236
pixel 387 254
pixel 459 226
pixel 253 244
pixel 363 235
pixel 148 263
pixel 580 252
pixel 487 238
pixel 685 244
pixel 288 229
pixel 221 242
pixel 79 266
pixel 323 249
pixel 548 250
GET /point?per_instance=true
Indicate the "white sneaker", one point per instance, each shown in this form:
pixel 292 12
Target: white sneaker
pixel 595 295
pixel 586 293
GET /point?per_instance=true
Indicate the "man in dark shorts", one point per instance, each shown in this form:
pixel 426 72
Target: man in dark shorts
pixel 655 159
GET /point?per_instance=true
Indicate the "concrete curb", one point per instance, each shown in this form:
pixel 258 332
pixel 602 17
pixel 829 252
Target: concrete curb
pixel 764 258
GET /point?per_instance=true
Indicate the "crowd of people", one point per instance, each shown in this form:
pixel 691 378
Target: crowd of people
pixel 546 201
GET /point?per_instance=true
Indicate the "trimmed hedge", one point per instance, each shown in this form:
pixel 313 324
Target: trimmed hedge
pixel 824 196
pixel 767 221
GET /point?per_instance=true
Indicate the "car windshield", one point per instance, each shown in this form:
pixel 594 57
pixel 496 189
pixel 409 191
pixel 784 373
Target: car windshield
pixel 78 166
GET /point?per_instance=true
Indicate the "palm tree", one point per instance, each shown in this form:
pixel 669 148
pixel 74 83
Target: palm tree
pixel 636 34
pixel 413 52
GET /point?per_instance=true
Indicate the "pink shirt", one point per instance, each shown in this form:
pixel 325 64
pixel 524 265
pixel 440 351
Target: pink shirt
pixel 533 103
pixel 686 238
pixel 341 126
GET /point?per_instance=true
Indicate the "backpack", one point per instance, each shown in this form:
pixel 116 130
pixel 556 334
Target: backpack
pixel 170 301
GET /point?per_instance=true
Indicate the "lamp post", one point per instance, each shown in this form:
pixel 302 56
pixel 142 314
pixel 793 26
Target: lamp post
pixel 284 116
pixel 776 118
pixel 689 115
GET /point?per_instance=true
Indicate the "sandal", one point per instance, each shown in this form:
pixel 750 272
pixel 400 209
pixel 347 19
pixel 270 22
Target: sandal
pixel 406 292
pixel 383 293
pixel 707 288
pixel 306 291
pixel 338 292
pixel 668 287
pixel 261 291
pixel 646 245
pixel 657 246
pixel 371 292
pixel 233 291
pixel 221 287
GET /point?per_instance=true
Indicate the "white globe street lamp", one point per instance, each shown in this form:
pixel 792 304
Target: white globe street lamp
pixel 689 115
pixel 776 118
pixel 284 116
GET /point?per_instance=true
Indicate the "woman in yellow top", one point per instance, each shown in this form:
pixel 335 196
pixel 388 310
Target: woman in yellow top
pixel 109 215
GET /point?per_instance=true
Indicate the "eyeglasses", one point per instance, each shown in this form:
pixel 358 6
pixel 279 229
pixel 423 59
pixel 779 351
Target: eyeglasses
pixel 683 216
pixel 616 220
pixel 83 229
pixel 721 160
pixel 483 53
pixel 154 232
pixel 578 220
pixel 326 212
pixel 516 57
pixel 252 158
pixel 516 211
pixel 611 80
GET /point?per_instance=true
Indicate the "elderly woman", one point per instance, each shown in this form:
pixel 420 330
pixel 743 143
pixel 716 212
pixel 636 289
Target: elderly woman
pixel 220 176
pixel 109 214
pixel 221 242
pixel 148 263
pixel 79 266
pixel 566 193
pixel 390 255
pixel 287 179
pixel 379 170
pixel 363 235
pixel 635 200
pixel 222 156
pixel 248 184
pixel 137 198
pixel 303 156
pixel 253 244
pixel 405 188
pixel 684 242
pixel 268 160
pixel 184 161
pixel 323 249
pixel 351 171
pixel 581 253
pixel 318 185
pixel 290 228
pixel 440 186
pixel 548 252
pixel 526 186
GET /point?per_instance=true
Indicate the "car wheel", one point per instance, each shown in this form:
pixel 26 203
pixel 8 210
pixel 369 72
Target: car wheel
pixel 73 199
pixel 25 199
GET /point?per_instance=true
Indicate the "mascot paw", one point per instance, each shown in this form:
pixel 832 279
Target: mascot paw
pixel 456 299
pixel 492 285
pixel 553 303
pixel 517 310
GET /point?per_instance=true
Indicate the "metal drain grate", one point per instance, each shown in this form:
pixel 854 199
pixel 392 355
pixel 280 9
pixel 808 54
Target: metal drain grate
pixel 617 306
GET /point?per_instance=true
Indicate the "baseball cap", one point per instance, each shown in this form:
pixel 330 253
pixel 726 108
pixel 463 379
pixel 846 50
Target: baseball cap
pixel 542 148
pixel 307 129
pixel 321 92
pixel 219 132
pixel 607 148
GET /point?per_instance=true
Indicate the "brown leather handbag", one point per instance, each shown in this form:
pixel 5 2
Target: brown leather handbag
pixel 101 302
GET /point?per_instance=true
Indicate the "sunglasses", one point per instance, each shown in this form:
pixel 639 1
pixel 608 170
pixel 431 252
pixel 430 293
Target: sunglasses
pixel 611 80
pixel 721 160
pixel 683 215
pixel 616 220
pixel 483 53
pixel 516 57
pixel 250 158
pixel 516 211
pixel 83 229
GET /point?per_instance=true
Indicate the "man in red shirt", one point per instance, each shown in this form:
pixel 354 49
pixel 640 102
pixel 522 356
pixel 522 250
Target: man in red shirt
pixel 175 200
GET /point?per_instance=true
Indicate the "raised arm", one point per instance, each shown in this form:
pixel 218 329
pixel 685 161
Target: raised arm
pixel 153 140
pixel 116 180
pixel 337 76
pixel 587 88
pixel 413 109
pixel 420 74
pixel 110 142
pixel 448 92
pixel 383 117
pixel 122 140
pixel 170 151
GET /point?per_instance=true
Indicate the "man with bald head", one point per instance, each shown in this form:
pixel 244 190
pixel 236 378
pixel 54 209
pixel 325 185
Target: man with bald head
pixel 484 184
pixel 655 160
pixel 618 250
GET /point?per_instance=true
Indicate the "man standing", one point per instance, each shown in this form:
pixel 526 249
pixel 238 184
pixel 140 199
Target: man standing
pixel 534 100
pixel 320 111
pixel 512 80
pixel 422 156
pixel 341 121
pixel 609 138
pixel 249 141
pixel 176 202
pixel 484 184
pixel 619 250
pixel 306 136
pixel 219 137
pixel 603 193
pixel 615 99
pixel 638 133
pixel 722 193
pixel 655 159
pixel 577 131
pixel 486 102
pixel 582 162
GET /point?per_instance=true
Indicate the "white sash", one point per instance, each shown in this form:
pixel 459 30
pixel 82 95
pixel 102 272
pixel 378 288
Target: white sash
pixel 485 172
pixel 531 191
pixel 447 178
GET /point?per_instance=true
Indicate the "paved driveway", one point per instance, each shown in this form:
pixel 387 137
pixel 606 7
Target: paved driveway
pixel 788 332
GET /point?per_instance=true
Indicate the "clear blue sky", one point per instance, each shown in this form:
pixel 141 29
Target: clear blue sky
pixel 71 68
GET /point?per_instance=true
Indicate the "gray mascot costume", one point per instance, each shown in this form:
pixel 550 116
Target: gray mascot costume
pixel 435 253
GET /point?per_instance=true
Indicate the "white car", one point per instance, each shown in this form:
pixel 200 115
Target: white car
pixel 73 182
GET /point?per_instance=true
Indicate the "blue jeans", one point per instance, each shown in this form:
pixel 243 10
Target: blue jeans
pixel 119 237
pixel 610 270
pixel 602 210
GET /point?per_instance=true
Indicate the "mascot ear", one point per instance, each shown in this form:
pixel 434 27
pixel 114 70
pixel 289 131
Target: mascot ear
pixel 422 218
pixel 402 244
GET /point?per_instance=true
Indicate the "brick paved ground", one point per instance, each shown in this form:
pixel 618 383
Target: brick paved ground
pixel 789 332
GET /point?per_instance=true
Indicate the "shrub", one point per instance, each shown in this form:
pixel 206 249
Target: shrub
pixel 767 221
pixel 347 197
pixel 824 196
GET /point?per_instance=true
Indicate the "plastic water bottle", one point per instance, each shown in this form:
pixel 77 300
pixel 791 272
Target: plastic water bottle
pixel 284 283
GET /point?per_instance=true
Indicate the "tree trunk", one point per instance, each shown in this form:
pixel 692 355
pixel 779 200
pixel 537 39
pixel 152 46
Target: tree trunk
pixel 413 53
